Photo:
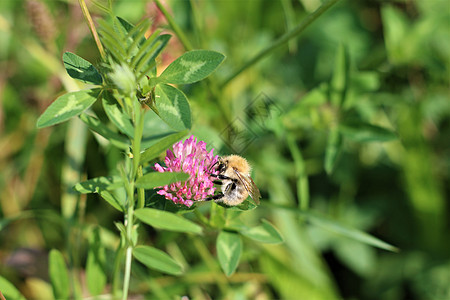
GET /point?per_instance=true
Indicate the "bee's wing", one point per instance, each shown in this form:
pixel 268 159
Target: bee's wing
pixel 249 185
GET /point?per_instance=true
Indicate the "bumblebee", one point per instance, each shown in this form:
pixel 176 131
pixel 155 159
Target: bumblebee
pixel 236 183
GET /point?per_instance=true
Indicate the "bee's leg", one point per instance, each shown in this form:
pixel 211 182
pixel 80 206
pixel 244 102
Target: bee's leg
pixel 223 177
pixel 214 197
pixel 217 182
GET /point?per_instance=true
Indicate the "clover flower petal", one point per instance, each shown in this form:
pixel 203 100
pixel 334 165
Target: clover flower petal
pixel 192 158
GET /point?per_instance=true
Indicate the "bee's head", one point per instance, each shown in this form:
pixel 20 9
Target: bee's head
pixel 221 165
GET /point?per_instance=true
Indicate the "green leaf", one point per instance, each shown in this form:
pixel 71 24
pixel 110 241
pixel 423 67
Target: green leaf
pixel 117 116
pixel 122 229
pixel 364 82
pixel 9 290
pixel 67 106
pixel 59 276
pixel 155 150
pixel 166 220
pixel 364 132
pixel 192 66
pixel 81 69
pixel 397 30
pixel 359 257
pixel 229 249
pixel 97 126
pixel 108 197
pixel 246 205
pixel 147 48
pixel 99 183
pixel 265 233
pixel 349 232
pixel 339 82
pixel 156 179
pixel 316 97
pixel 125 24
pixel 157 260
pixel 339 228
pixel 333 149
pixel 148 60
pixel 172 107
pixel 95 264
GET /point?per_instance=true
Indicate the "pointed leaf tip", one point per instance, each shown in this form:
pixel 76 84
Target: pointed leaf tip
pixel 79 68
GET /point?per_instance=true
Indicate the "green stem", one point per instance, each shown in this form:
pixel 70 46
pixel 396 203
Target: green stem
pixel 140 192
pixel 282 40
pixel 184 40
pixel 136 170
pixel 129 238
pixel 128 254
pixel 91 26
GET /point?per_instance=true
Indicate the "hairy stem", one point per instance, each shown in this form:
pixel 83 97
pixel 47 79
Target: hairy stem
pixel 282 40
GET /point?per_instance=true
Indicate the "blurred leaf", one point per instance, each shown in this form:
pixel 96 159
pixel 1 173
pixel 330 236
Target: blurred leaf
pixel 364 132
pixel 122 230
pixel 365 81
pixel 361 258
pixel 99 183
pixel 265 233
pixel 332 150
pixel 5 221
pixel 289 282
pixel 9 290
pixel 113 201
pixel 59 275
pixel 229 249
pixel 173 107
pixel 337 227
pixel 81 69
pixel 37 288
pixel 192 66
pixel 95 264
pixel 166 220
pixel 67 106
pixel 217 215
pixel 157 179
pixel 97 126
pixel 396 28
pixel 316 97
pixel 157 260
pixel 117 116
pixel 349 232
pixel 162 145
pixel 339 81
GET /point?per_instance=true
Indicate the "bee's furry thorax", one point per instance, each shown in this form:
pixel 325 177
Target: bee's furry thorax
pixel 238 163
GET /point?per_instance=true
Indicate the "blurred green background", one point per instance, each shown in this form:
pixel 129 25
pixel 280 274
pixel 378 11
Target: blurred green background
pixel 350 119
